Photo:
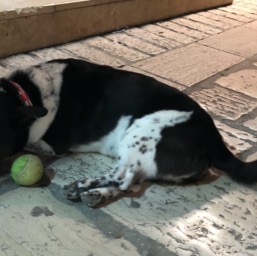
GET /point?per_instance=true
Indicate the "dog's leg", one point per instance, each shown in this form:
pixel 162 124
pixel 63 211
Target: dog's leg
pixel 97 190
pixel 40 147
pixel 74 189
pixel 136 158
pixel 96 196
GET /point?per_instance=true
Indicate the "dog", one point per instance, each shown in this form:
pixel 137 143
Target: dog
pixel 153 130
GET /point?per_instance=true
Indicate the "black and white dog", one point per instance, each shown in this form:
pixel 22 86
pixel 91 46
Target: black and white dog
pixel 154 131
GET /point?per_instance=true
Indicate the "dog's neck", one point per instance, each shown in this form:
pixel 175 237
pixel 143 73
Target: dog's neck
pixel 15 90
pixel 22 95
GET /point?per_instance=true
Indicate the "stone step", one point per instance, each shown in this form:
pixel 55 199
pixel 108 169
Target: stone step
pixel 27 25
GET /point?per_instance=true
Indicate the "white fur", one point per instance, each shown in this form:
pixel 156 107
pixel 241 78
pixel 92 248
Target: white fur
pixel 40 147
pixel 136 162
pixel 48 78
pixel 134 147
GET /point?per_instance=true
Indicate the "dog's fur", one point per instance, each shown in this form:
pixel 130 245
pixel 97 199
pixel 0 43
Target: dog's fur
pixel 154 131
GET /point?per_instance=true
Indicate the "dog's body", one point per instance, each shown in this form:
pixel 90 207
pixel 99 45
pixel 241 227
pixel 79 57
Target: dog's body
pixel 154 131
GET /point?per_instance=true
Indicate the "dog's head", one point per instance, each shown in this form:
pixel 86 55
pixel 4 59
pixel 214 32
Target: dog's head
pixel 15 120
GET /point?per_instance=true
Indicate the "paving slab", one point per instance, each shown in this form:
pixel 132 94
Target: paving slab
pixel 197 26
pixel 52 53
pixel 117 49
pixel 153 38
pixel 135 43
pixel 83 50
pixel 197 228
pixel 77 166
pixel 165 81
pixel 249 5
pixel 206 219
pixel 252 157
pixel 21 61
pixel 239 12
pixel 240 41
pixel 252 124
pixel 189 65
pixel 206 20
pixel 223 102
pixel 244 81
pixel 252 25
pixel 235 139
pixel 230 15
pixel 245 10
pixel 4 71
pixel 47 226
pixel 167 33
pixel 184 30
pixel 219 17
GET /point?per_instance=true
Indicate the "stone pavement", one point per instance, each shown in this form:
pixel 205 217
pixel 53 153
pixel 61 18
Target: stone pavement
pixel 212 56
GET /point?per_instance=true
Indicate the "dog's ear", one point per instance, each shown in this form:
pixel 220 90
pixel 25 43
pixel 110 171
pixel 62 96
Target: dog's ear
pixel 33 111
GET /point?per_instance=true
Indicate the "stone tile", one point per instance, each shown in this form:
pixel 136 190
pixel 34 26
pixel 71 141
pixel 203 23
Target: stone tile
pixel 234 138
pixel 252 157
pixel 53 53
pixel 208 21
pixel 252 25
pixel 239 12
pixel 172 84
pixel 220 18
pixel 189 65
pixel 197 26
pixel 135 43
pixel 223 102
pixel 55 227
pixel 21 61
pixel 252 124
pixel 241 135
pixel 246 11
pixel 4 71
pixel 116 49
pixel 244 81
pixel 233 16
pixel 180 219
pixel 248 5
pixel 153 38
pixel 240 41
pixel 79 166
pixel 184 30
pixel 183 39
pixel 244 1
pixel 204 220
pixel 83 50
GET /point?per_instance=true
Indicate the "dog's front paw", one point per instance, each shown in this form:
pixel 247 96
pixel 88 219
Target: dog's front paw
pixel 91 198
pixel 72 191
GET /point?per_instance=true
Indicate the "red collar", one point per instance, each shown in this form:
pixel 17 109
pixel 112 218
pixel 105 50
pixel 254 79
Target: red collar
pixel 23 96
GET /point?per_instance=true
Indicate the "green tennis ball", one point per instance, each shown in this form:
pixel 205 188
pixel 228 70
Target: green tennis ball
pixel 26 170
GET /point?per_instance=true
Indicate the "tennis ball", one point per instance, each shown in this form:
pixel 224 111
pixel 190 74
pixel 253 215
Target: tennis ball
pixel 27 170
